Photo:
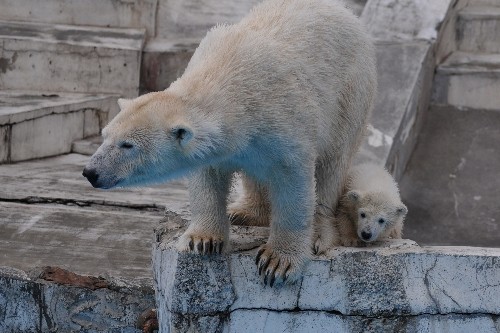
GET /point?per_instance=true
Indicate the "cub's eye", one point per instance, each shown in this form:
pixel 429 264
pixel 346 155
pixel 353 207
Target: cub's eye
pixel 126 145
pixel 363 215
pixel 381 221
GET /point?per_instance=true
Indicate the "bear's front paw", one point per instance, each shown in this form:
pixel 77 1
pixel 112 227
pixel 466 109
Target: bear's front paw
pixel 277 268
pixel 201 244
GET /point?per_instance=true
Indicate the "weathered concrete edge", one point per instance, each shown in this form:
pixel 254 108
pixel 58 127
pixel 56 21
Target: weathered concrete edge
pixel 29 302
pixel 102 103
pixel 413 280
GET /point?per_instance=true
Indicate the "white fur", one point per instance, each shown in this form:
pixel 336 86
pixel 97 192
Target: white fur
pixel 283 96
pixel 371 196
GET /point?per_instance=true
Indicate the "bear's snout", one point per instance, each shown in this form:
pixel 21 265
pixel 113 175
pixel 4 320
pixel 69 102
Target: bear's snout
pixel 91 175
pixel 366 236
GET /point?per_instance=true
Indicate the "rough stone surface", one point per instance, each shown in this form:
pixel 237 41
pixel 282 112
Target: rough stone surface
pixel 250 321
pixel 70 58
pixel 35 305
pixel 478 29
pixel 405 19
pixel 468 80
pixel 391 280
pixel 101 13
pixel 451 184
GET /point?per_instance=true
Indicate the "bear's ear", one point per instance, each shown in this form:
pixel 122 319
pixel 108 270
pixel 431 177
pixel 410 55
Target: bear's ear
pixel 182 133
pixel 401 210
pixel 124 103
pixel 354 196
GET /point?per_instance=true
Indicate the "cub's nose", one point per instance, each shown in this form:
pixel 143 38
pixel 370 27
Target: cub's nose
pixel 91 175
pixel 366 235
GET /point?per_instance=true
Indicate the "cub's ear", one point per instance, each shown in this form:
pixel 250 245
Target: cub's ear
pixel 401 210
pixel 124 103
pixel 354 196
pixel 182 133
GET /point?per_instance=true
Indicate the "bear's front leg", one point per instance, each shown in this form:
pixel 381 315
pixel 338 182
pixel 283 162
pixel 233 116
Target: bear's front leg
pixel 208 231
pixel 288 249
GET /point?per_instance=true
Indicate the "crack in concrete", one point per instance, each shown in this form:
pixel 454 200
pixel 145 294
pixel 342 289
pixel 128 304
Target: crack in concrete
pixel 33 200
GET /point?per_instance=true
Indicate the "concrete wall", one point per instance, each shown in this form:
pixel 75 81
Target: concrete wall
pixel 395 286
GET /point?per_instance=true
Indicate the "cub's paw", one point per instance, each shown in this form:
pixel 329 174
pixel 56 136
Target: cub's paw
pixel 278 268
pixel 247 217
pixel 201 244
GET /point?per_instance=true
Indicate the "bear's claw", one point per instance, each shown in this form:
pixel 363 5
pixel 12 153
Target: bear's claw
pixel 276 268
pixel 201 245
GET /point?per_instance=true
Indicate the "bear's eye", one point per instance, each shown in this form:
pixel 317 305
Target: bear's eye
pixel 363 215
pixel 381 221
pixel 126 145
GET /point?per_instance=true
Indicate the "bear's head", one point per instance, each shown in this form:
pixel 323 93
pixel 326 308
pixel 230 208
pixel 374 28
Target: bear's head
pixel 375 214
pixel 152 139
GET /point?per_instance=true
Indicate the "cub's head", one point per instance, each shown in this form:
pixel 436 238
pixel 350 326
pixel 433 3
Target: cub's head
pixel 151 140
pixel 375 214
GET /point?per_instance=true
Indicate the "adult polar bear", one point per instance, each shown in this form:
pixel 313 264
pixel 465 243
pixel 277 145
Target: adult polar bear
pixel 283 96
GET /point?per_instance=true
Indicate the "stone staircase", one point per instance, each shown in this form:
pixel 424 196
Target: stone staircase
pixel 451 181
pixel 470 76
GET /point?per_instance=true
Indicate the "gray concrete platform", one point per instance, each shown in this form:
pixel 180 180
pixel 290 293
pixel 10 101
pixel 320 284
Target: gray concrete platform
pixel 451 184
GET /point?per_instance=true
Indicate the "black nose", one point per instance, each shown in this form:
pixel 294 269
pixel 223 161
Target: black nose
pixel 91 175
pixel 366 235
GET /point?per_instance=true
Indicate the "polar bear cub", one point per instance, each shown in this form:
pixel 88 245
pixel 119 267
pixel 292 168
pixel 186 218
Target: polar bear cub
pixel 371 208
pixel 283 97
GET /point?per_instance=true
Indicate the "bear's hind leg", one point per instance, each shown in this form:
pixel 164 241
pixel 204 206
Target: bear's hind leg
pixel 252 208
pixel 208 231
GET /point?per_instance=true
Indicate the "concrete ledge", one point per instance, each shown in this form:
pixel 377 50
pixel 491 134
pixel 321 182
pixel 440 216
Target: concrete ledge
pixel 41 124
pixel 31 302
pixel 397 278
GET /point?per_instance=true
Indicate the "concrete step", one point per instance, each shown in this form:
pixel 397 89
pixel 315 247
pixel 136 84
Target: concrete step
pixel 468 80
pixel 70 58
pixel 86 146
pixel 100 13
pixel 478 29
pixel 36 124
pixel 164 60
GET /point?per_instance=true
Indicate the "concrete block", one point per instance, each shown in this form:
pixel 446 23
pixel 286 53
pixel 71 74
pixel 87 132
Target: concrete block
pixel 46 136
pixel 192 18
pixel 37 124
pixel 388 280
pixel 405 72
pixel 163 61
pixel 468 80
pixel 93 122
pixel 405 19
pixel 70 58
pixel 478 29
pixel 100 13
pixel 250 321
pixel 36 305
pixel 87 146
pixel 4 143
